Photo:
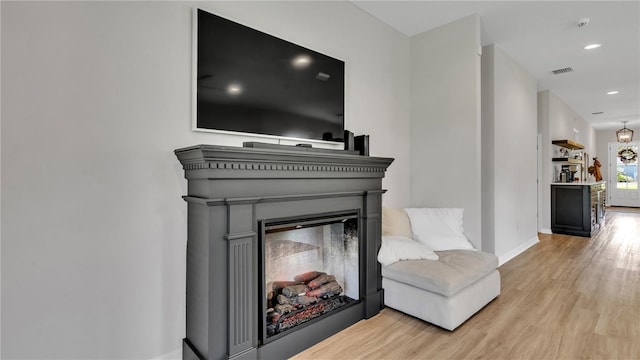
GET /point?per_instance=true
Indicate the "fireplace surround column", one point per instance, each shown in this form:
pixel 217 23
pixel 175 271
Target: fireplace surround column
pixel 242 254
pixel 231 190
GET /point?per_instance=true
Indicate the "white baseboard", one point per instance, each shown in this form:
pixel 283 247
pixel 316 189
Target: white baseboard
pixel 517 251
pixel 174 355
pixel 545 231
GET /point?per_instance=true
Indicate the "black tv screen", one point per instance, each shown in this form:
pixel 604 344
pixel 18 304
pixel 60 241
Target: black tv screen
pixel 252 82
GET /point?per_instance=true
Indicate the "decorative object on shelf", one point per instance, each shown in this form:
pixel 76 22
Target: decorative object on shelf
pixel 596 169
pixel 589 170
pixel 627 155
pixel 348 140
pixel 578 155
pixel 624 135
pixel 362 144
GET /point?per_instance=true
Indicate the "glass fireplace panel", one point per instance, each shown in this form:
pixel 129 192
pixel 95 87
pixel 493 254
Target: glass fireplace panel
pixel 310 269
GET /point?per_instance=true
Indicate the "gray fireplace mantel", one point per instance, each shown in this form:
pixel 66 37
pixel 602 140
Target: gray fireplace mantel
pixel 232 189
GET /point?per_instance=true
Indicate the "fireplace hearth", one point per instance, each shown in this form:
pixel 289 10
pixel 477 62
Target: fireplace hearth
pixel 281 248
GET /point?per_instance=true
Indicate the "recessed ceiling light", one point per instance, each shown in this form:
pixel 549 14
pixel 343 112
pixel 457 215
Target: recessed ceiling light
pixel 592 46
pixel 613 92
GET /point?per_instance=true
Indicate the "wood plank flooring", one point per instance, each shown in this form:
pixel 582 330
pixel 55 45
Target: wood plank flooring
pixel 567 297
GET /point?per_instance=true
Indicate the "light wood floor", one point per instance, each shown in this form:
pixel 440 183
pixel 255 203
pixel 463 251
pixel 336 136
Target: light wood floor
pixel 565 298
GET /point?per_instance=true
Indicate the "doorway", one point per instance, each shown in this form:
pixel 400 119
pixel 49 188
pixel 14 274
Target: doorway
pixel 623 174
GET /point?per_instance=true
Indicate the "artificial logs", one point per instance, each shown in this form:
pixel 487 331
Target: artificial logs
pixel 309 295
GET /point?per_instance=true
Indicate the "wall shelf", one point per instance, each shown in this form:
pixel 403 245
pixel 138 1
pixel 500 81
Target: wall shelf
pixel 575 160
pixel 569 144
pixel 569 160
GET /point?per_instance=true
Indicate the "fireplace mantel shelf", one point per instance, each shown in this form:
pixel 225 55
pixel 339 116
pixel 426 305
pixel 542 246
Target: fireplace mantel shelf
pixel 289 158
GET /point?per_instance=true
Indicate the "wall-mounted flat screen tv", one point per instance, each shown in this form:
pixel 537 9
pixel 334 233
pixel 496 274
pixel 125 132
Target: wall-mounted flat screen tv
pixel 252 82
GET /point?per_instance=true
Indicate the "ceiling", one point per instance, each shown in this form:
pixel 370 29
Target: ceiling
pixel 543 36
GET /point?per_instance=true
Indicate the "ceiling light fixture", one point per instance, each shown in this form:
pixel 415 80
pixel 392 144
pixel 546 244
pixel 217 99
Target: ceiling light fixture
pixel 624 135
pixel 613 92
pixel 592 46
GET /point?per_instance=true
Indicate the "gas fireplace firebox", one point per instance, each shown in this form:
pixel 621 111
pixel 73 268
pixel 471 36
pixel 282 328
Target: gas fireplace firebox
pixel 310 268
pixel 281 247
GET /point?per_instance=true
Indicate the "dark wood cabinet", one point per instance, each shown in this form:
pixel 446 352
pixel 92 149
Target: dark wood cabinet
pixel 577 209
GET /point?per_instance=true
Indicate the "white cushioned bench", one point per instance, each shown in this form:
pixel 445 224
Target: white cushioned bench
pixel 444 292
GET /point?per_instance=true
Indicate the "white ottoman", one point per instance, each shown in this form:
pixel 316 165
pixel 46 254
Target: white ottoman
pixel 444 292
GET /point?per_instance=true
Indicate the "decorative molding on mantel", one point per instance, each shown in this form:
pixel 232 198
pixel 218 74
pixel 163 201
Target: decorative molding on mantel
pixel 274 166
pixel 214 157
pixel 264 199
pixel 243 235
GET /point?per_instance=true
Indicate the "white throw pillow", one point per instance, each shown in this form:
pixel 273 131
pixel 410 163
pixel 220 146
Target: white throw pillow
pixel 439 228
pixel 395 222
pixel 396 248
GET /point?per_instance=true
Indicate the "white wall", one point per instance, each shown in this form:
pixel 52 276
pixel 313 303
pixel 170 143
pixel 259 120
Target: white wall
pixel 488 145
pixel 603 138
pixel 509 127
pixel 445 120
pixel 96 97
pixel 556 121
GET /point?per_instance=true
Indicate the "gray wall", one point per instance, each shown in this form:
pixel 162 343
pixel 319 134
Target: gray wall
pixel 96 96
pixel 445 121
pixel 509 155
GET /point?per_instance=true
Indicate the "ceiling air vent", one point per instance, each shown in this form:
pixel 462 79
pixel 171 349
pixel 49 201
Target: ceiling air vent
pixel 597 113
pixel 562 71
